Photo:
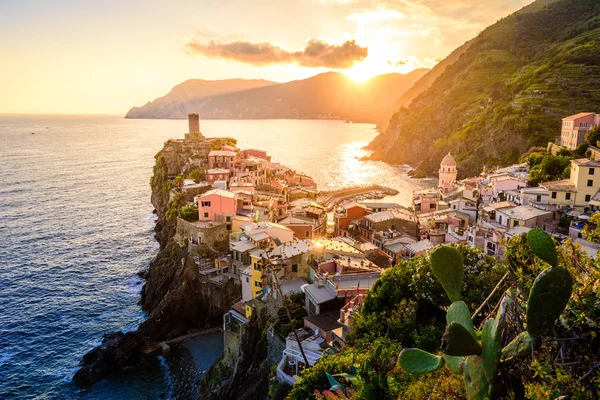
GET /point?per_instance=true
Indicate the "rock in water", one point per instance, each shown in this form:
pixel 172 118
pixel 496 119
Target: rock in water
pixel 117 351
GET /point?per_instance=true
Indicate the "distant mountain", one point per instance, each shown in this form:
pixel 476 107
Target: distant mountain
pixel 330 95
pixel 193 91
pixel 505 92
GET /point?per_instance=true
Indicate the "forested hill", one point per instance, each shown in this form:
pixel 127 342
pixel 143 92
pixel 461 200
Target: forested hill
pixel 507 92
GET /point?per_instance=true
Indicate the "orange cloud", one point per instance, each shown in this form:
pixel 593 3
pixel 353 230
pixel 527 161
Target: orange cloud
pixel 317 53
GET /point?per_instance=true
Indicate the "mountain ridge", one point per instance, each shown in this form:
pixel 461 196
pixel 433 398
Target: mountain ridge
pixel 330 95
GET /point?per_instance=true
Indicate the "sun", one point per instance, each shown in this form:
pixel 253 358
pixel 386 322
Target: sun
pixel 360 72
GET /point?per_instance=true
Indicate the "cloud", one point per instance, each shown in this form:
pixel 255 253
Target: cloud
pixel 316 53
pixel 396 63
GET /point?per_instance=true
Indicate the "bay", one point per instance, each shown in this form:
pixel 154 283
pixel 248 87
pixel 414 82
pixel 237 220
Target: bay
pixel 76 225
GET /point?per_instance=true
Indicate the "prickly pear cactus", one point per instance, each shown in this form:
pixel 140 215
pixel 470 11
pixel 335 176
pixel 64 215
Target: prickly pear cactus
pixel 519 347
pixel 476 384
pixel 459 312
pixel 418 361
pixel 447 267
pixel 547 299
pixel 543 246
pixel 462 352
pixel 458 341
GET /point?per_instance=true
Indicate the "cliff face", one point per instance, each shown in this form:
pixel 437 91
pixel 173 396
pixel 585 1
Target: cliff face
pixel 177 301
pixel 505 93
pixel 248 379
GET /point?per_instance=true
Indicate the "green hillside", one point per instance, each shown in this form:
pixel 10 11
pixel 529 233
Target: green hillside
pixel 507 92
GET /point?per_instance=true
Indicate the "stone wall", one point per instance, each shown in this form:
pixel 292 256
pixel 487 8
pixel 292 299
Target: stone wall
pixel 208 233
pixel 275 346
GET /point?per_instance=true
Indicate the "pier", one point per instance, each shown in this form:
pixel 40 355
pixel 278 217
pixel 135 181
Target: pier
pixel 330 199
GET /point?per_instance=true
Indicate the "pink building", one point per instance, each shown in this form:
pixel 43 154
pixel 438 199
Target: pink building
pixel 575 127
pixel 256 153
pixel 503 183
pixel 218 206
pixel 217 174
pixel 221 159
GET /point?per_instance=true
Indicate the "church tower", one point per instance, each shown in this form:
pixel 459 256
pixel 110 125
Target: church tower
pixel 447 171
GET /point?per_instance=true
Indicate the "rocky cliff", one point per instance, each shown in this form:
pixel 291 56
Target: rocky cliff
pixel 177 301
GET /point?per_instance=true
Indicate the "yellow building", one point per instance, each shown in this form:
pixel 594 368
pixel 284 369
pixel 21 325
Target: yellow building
pixel 578 190
pixel 256 280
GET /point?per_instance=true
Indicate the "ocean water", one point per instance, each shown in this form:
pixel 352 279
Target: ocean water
pixel 76 225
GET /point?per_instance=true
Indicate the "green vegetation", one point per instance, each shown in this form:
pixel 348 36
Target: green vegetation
pixel 216 144
pixel 546 167
pixel 534 336
pixel 197 175
pixel 178 181
pixel 189 213
pixel 506 92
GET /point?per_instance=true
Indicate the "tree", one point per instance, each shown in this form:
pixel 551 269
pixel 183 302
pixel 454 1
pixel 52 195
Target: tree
pixel 189 213
pixel 593 136
pixel 197 175
pixel 178 182
pixel 591 232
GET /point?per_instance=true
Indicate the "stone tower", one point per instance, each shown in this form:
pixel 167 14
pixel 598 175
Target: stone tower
pixel 447 171
pixel 194 122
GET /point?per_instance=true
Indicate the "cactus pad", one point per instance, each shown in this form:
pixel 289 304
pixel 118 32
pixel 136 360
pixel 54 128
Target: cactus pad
pixel 447 267
pixel 455 364
pixel 520 347
pixel 543 246
pixel 418 361
pixel 476 384
pixel 458 341
pixel 547 299
pixel 490 349
pixel 459 312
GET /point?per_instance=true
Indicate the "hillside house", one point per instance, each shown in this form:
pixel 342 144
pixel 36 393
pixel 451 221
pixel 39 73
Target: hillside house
pixel 575 127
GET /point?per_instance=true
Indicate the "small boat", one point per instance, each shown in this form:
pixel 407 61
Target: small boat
pixel 348 121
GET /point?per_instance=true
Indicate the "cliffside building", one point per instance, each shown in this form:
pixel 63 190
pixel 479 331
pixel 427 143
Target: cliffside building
pixel 447 174
pixel 575 127
pixel 194 127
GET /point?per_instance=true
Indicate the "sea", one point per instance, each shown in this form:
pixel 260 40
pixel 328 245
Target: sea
pixel 76 226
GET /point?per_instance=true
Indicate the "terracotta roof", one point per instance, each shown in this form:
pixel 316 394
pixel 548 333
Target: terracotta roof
pixel 580 115
pixel 585 162
pixel 564 185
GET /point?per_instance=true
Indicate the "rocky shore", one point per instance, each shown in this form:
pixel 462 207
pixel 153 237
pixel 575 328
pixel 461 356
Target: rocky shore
pixel 175 299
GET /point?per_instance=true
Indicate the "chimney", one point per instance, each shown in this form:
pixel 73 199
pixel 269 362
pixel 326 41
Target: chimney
pixel 194 123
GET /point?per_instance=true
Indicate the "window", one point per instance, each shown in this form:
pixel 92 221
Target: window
pixel 307 234
pixel 205 215
pixel 256 266
pixel 432 206
pixel 515 223
pixel 538 197
pixel 205 204
pixel 553 195
pixel 258 284
pixel 228 219
pixel 591 171
pixel 567 196
pixel 247 280
pixel 500 218
pixel 590 182
pixel 294 267
pixel 588 197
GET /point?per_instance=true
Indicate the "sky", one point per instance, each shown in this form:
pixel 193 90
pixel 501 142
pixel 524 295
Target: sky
pixel 105 56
